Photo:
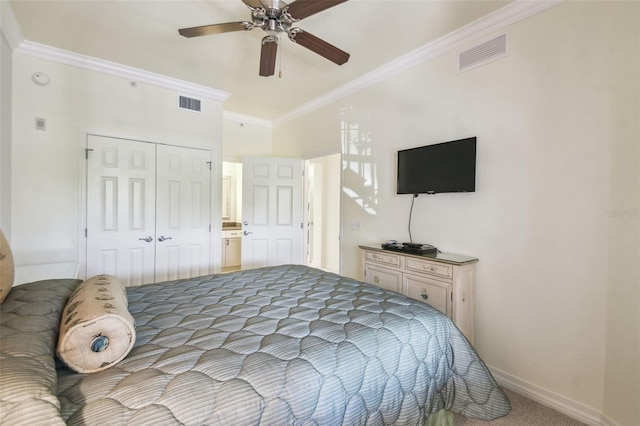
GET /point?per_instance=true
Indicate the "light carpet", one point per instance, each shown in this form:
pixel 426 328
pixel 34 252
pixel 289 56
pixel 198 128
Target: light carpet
pixel 524 412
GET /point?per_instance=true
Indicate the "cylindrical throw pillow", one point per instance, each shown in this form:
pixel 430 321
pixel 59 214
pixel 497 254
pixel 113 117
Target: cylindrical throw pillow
pixel 96 331
pixel 7 271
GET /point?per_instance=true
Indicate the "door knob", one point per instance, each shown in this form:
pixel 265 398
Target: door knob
pixel 245 233
pixel 147 239
pixel 162 238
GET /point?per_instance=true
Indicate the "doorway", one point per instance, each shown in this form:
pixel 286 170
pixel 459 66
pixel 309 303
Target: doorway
pixel 323 212
pixel 231 216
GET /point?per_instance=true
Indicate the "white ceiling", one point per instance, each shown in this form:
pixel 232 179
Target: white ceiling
pixel 144 34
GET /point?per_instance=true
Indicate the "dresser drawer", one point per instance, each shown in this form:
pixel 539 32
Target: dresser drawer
pixel 432 268
pixel 385 258
pixel 434 293
pixel 234 233
pixel 383 278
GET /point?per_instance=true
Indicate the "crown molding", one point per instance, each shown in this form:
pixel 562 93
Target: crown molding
pixel 9 25
pixel 493 22
pixel 496 21
pixel 246 119
pixel 13 34
pixel 53 54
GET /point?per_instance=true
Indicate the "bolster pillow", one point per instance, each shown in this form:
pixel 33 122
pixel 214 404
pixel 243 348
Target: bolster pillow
pixel 96 331
pixel 7 270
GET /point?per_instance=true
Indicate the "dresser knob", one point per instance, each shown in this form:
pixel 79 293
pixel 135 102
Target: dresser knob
pixel 376 279
pixel 425 296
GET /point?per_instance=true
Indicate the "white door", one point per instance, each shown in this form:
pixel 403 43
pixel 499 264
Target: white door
pixel 182 212
pixel 148 210
pixel 272 215
pixel 121 177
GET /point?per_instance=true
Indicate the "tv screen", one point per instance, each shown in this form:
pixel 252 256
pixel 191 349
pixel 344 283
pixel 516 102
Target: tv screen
pixel 443 167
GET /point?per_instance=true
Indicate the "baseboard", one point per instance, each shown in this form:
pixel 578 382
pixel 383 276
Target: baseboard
pixel 606 421
pixel 550 399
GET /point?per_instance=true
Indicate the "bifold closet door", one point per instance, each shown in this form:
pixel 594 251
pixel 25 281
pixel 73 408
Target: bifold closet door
pixel 148 210
pixel 121 191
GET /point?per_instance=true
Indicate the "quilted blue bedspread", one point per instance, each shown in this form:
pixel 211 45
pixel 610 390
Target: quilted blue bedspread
pixel 284 345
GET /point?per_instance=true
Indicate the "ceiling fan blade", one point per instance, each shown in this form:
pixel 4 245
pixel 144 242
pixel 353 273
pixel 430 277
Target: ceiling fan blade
pixel 318 46
pixel 253 4
pixel 215 29
pixel 300 9
pixel 268 56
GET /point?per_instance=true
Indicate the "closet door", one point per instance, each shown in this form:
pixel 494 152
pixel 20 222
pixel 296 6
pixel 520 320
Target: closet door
pixel 182 212
pixel 121 180
pixel 148 210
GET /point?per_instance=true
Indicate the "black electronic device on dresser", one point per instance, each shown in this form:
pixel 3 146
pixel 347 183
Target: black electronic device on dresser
pixel 414 248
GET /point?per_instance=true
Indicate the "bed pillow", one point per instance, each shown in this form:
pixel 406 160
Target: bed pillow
pixel 7 269
pixel 96 330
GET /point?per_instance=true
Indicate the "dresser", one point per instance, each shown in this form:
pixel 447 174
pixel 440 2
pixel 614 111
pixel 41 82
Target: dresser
pixel 445 281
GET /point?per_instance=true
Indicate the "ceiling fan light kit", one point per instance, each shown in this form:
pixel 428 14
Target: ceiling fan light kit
pixel 275 17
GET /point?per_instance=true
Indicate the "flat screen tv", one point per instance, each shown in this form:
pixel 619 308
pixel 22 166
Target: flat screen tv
pixel 443 167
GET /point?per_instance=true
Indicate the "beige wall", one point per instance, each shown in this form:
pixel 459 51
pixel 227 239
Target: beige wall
pixel 245 138
pixel 6 91
pixel 332 212
pixel 622 368
pixel 45 204
pixel 548 121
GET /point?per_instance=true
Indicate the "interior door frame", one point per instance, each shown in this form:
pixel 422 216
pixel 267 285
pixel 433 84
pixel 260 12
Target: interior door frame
pixel 214 215
pixel 305 195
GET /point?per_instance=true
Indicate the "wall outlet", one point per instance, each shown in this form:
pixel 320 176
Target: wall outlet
pixel 355 225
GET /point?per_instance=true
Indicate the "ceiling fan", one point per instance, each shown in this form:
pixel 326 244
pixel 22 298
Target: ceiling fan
pixel 275 17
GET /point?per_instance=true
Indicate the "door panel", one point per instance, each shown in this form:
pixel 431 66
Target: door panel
pixel 260 205
pixel 121 209
pixel 284 251
pixel 233 252
pixel 183 211
pixel 272 212
pixel 285 206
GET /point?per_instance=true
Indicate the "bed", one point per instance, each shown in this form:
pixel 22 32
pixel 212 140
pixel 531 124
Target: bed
pixel 272 346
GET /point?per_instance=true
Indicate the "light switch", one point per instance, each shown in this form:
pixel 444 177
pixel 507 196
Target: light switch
pixel 355 225
pixel 41 123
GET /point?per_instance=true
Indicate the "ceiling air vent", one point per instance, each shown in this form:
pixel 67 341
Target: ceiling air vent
pixel 483 53
pixel 190 103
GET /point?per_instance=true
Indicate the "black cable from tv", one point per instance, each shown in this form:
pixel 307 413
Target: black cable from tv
pixel 410 214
